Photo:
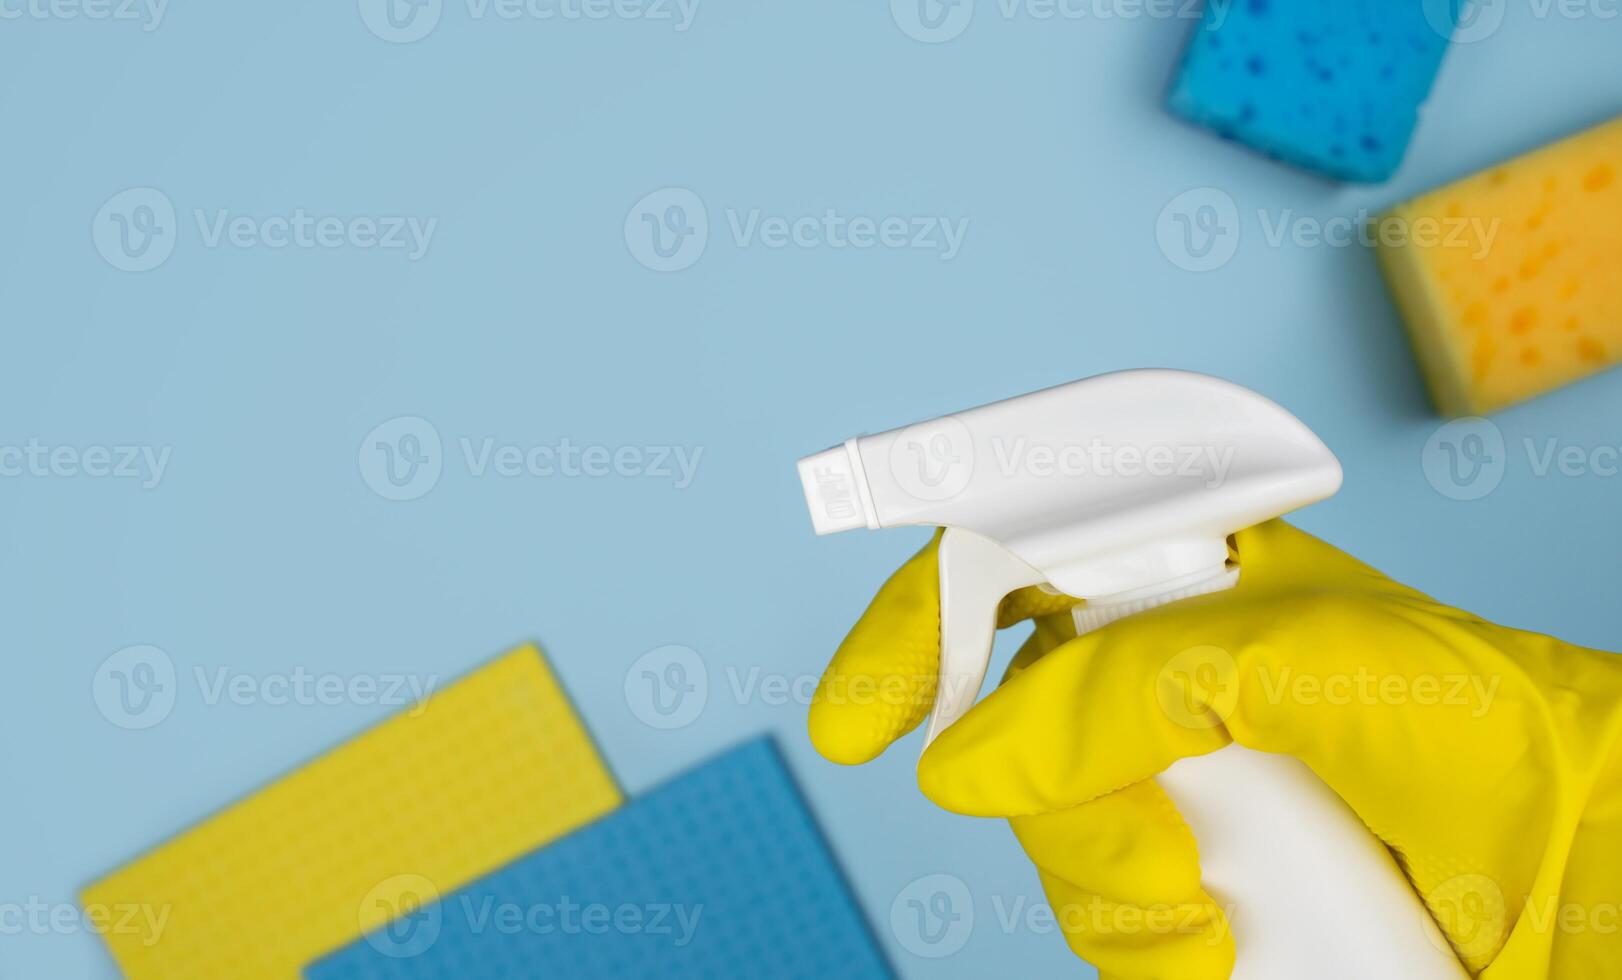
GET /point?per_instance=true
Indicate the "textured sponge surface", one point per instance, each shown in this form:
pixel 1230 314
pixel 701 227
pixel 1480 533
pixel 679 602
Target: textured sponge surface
pixel 1333 86
pixel 489 768
pixel 720 873
pixel 1519 288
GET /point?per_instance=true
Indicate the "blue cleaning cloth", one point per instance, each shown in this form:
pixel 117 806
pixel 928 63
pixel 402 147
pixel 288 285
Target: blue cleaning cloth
pixel 1333 86
pixel 719 873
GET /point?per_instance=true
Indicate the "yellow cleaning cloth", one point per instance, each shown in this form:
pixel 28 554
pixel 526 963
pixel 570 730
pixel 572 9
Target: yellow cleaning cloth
pixel 494 766
pixel 1511 280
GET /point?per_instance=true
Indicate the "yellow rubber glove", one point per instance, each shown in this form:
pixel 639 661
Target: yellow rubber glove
pixel 1486 758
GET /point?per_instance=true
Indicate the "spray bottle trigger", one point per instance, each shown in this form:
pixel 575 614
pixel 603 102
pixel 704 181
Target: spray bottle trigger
pixel 975 574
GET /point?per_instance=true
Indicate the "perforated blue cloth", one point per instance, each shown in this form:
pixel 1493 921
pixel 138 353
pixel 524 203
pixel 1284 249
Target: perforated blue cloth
pixel 719 873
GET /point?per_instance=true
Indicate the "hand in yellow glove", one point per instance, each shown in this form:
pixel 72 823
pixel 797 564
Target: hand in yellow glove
pixel 1486 758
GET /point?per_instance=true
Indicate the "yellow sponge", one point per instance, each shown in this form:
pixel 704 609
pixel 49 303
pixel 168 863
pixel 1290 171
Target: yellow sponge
pixel 1511 280
pixel 493 767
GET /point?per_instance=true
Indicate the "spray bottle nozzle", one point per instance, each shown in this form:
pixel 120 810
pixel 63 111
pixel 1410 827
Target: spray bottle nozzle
pixel 836 489
pixel 1119 489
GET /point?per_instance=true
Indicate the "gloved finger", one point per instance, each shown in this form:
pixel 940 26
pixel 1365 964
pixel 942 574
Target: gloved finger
pixel 1122 876
pixel 1097 714
pixel 1278 556
pixel 881 682
pixel 1131 845
pixel 1051 631
pixel 1164 941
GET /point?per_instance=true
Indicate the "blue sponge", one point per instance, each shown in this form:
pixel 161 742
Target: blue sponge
pixel 721 873
pixel 1334 86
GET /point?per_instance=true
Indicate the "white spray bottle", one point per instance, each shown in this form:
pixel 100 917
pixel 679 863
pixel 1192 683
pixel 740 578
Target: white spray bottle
pixel 1122 490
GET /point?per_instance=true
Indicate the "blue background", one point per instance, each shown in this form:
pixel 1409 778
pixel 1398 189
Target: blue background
pixel 529 320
